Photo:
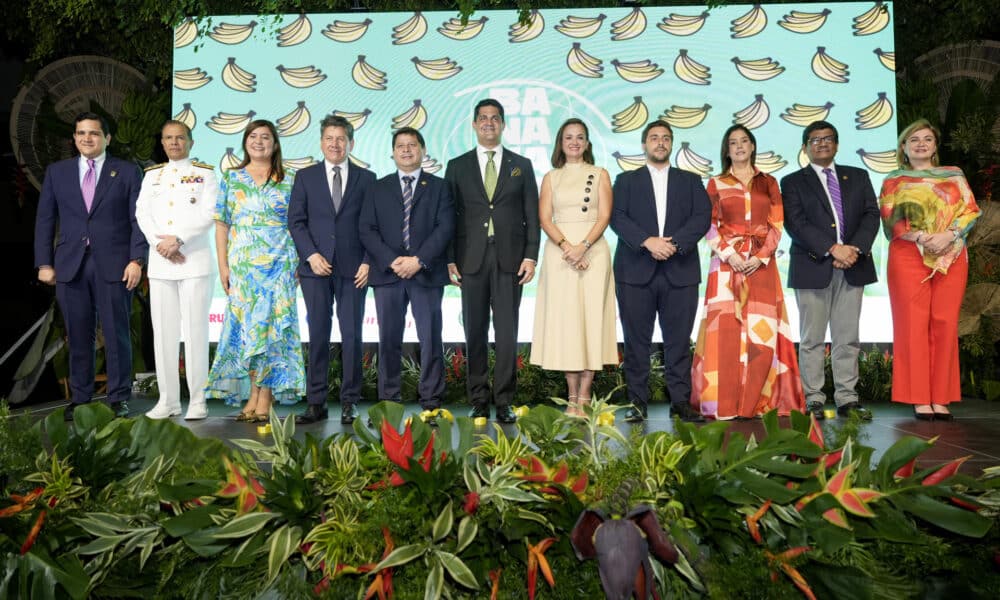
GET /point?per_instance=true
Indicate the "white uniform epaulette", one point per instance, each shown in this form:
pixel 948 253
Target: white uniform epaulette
pixel 203 165
pixel 159 166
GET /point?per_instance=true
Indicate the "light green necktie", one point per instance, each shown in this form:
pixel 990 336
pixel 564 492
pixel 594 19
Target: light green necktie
pixel 490 182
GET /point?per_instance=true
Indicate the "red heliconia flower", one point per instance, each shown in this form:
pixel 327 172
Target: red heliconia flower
pixel 536 561
pixel 33 534
pixel 494 575
pixel 520 362
pixel 752 522
pixel 22 503
pixel 783 561
pixel 944 472
pixel 536 471
pixel 242 486
pixel 399 450
pixel 471 503
pixel 906 470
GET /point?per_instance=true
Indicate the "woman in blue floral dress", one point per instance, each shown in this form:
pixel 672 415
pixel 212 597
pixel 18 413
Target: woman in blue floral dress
pixel 260 340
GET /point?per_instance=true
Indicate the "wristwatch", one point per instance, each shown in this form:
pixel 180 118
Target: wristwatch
pixel 180 242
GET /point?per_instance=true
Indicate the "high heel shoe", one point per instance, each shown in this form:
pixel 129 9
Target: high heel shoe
pixel 942 416
pixel 924 416
pixel 246 416
pixel 260 418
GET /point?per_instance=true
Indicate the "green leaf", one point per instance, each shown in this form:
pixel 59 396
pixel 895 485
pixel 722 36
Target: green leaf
pixel 244 525
pixel 195 520
pixel 457 569
pixel 365 434
pixel 465 435
pixel 284 542
pixel 780 466
pixel 435 582
pixel 954 519
pixel 762 487
pixel 400 556
pixel 443 523
pixel 467 530
pixel 469 474
pixel 101 524
pixel 187 490
pixel 528 515
pixel 838 582
pixel 247 552
pixel 101 544
pixel 515 494
pixel 900 453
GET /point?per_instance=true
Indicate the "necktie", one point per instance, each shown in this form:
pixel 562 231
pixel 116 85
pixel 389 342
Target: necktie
pixel 407 207
pixel 490 182
pixel 89 184
pixel 834 186
pixel 335 190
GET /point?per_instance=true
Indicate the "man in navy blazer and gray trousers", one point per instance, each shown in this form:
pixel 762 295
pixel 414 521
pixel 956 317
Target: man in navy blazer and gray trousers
pixel 97 259
pixel 660 214
pixel 407 223
pixel 323 220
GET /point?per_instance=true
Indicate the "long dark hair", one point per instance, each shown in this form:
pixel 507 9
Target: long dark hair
pixel 559 157
pixel 727 162
pixel 277 170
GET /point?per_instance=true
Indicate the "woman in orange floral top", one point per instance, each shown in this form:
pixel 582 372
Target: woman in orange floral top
pixel 927 212
pixel 745 362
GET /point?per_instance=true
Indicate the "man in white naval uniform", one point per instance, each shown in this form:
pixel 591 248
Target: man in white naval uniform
pixel 174 211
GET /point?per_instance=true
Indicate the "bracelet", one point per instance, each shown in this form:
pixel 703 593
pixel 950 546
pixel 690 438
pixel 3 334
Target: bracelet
pixel 919 235
pixel 561 242
pixel 586 244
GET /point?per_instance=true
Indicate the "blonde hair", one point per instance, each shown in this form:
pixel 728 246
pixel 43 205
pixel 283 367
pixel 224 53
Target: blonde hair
pixel 902 160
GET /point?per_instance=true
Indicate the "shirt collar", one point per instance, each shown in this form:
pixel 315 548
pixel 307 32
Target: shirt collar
pixel 415 174
pixel 342 164
pixel 98 160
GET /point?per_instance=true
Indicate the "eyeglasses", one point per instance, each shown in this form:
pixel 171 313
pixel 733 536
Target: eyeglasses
pixel 816 141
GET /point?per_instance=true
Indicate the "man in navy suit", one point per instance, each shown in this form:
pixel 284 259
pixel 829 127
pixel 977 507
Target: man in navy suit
pixel 832 218
pixel 660 213
pixel 97 259
pixel 407 222
pixel 323 220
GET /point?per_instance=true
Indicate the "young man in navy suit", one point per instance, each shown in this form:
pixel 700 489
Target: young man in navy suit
pixel 660 213
pixel 323 219
pixel 407 223
pixel 97 259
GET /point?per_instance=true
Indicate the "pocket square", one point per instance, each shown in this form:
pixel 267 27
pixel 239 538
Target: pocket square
pixel 515 172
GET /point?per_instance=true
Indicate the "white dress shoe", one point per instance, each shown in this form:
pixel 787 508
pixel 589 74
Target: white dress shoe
pixel 196 411
pixel 162 411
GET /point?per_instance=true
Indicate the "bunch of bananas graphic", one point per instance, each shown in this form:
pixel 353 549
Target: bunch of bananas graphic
pixel 682 25
pixel 684 117
pixel 186 116
pixel 346 31
pixel 760 69
pixel 228 33
pixel 230 123
pixel 631 118
pixel 769 162
pixel 415 117
pixel 580 27
pixel 295 32
pixel 803 158
pixel 687 69
pixel 237 78
pixel 876 114
pixel 803 114
pixel 690 161
pixel 582 63
pixel 437 69
pixel 630 26
pixel 296 164
pixel 750 24
pixel 229 161
pixel 430 165
pixel 368 76
pixel 357 162
pixel 356 119
pixel 872 20
pixel 754 115
pixel 185 33
pixel 880 162
pixel 888 59
pixel 301 77
pixel 639 71
pixel 829 68
pixel 629 162
pixel 454 28
pixel 190 79
pixel 804 22
pixel 529 30
pixel 296 121
pixel 409 30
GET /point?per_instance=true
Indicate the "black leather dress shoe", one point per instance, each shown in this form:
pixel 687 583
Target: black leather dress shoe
pixel 505 414
pixel 348 414
pixel 312 414
pixel 120 408
pixel 480 410
pixel 636 415
pixel 854 408
pixel 686 413
pixel 68 413
pixel 816 410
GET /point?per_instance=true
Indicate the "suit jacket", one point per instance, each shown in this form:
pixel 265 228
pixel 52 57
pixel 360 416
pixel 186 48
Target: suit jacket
pixel 110 226
pixel 515 212
pixel 633 219
pixel 314 225
pixel 432 227
pixel 812 228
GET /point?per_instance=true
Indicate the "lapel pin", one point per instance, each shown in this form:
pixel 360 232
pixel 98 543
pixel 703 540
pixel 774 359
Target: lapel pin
pixel 114 173
pixel 423 183
pixel 515 172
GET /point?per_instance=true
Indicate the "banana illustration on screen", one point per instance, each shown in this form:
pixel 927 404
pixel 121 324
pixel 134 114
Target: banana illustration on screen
pixel 415 117
pixel 437 69
pixel 803 158
pixel 190 79
pixel 186 116
pixel 873 20
pixel 876 114
pixel 294 122
pixel 409 30
pixel 301 77
pixel 454 28
pixel 580 27
pixel 683 25
pixel 888 59
pixel 368 76
pixel 687 69
pixel 430 165
pixel 630 26
pixel 185 33
pixel 639 71
pixel 880 162
pixel 689 160
pixel 631 118
pixel 749 24
pixel 296 164
pixel 804 22
pixel 229 33
pixel 760 69
pixel 229 161
pixel 828 68
pixel 754 115
pixel 295 32
pixel 230 123
pixel 684 117
pixel 629 162
pixel 523 32
pixel 357 162
pixel 769 162
pixel 582 63
pixel 804 114
pixel 356 119
pixel 237 78
pixel 346 31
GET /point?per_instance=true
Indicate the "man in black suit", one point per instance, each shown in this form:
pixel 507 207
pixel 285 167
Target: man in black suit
pixel 660 214
pixel 832 218
pixel 407 223
pixel 97 259
pixel 494 254
pixel 323 219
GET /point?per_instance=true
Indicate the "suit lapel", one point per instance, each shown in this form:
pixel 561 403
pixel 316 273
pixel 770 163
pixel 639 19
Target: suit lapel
pixel 846 186
pixel 503 173
pixel 818 191
pixel 103 183
pixel 418 191
pixel 477 176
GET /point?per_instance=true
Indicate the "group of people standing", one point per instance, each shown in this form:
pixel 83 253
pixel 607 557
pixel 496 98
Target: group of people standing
pixel 335 229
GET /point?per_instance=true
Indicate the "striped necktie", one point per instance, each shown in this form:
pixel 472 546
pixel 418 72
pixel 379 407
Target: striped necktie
pixel 838 203
pixel 407 208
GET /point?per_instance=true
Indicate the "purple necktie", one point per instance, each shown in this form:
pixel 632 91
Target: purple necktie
pixel 834 186
pixel 407 208
pixel 89 184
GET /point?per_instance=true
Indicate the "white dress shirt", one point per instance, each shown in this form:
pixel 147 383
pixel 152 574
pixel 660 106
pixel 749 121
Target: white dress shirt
pixel 822 180
pixel 98 165
pixel 483 159
pixel 343 175
pixel 660 194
